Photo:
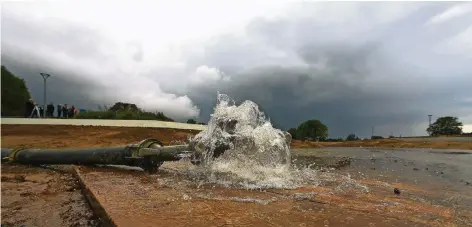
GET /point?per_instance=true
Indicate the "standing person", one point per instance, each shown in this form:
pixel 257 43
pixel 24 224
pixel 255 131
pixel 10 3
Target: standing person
pixel 64 111
pixel 59 110
pixel 35 111
pixel 74 111
pixel 70 112
pixel 50 110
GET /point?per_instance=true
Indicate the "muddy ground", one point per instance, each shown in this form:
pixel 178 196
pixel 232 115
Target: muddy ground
pixel 34 196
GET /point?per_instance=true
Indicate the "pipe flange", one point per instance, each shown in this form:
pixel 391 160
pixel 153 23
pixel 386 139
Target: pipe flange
pixel 150 164
pixel 147 143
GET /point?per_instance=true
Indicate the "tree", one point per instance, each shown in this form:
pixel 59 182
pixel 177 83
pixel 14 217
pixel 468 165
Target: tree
pixel 445 126
pixel 312 130
pixel 120 106
pixel 15 94
pixel 293 132
pixel 352 137
pixel 191 121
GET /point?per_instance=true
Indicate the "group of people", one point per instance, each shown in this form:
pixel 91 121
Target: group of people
pixel 63 111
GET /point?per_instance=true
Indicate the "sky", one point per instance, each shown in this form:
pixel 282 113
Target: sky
pixel 356 66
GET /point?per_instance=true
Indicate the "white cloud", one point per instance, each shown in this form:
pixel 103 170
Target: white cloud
pixel 206 75
pixel 451 13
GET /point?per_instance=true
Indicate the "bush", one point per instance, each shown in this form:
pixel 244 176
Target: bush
pixel 293 133
pixel 352 137
pixel 124 114
pixel 333 140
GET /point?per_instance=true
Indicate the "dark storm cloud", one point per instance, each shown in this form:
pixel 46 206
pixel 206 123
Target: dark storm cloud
pixel 351 65
pixel 69 90
pixel 350 85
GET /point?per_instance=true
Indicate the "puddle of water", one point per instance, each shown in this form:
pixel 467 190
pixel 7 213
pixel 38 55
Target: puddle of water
pixel 446 172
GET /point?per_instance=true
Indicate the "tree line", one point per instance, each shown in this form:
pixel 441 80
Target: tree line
pixel 315 130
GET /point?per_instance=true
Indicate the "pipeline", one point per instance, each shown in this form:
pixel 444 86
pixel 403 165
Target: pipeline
pixel 149 155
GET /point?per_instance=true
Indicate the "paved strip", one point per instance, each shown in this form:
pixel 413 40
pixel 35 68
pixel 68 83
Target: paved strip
pixel 98 122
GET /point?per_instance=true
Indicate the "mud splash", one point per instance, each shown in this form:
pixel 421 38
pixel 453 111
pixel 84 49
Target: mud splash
pixel 242 149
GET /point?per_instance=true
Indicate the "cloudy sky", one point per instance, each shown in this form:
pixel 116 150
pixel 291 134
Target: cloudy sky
pixel 353 65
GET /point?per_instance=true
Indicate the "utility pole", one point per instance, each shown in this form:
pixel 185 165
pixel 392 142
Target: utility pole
pixel 372 132
pixel 429 116
pixel 45 77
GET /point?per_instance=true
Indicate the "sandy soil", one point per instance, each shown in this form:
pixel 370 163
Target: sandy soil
pixel 387 143
pixel 39 197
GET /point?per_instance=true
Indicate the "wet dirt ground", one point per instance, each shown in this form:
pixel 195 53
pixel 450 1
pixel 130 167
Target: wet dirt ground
pixel 33 196
pixel 442 177
pixel 170 199
pixel 133 198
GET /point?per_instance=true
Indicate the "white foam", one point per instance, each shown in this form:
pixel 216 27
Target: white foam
pixel 258 155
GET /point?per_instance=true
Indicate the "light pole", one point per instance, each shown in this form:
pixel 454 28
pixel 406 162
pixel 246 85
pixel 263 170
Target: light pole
pixel 45 77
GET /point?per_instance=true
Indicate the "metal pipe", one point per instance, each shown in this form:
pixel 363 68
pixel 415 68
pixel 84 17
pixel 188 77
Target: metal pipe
pixel 89 156
pixel 149 154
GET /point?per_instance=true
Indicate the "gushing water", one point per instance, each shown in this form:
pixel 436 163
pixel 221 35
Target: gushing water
pixel 242 149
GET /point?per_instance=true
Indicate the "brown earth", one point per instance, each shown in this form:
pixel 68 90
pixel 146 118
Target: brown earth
pixel 58 136
pixel 386 143
pixel 35 196
pixel 62 136
pixel 168 199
